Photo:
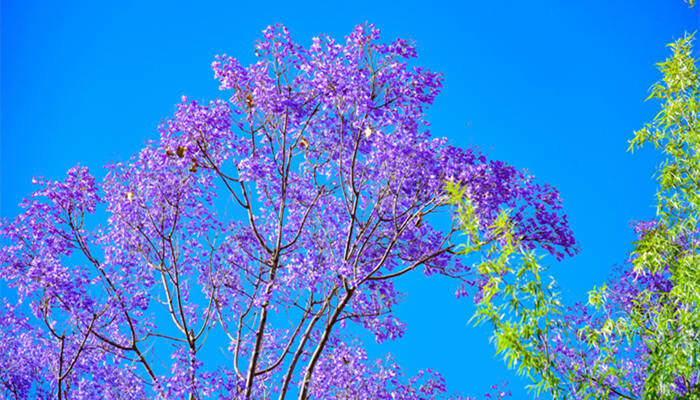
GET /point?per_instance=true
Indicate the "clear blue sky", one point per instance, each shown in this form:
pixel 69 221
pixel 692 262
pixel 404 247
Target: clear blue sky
pixel 552 86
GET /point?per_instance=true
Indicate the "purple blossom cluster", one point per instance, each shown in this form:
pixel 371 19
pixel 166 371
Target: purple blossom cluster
pixel 268 222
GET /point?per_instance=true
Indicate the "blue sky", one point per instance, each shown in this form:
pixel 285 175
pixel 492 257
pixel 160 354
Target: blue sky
pixel 555 87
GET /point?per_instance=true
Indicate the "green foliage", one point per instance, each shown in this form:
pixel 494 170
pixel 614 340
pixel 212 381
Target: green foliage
pixel 513 298
pixel 672 247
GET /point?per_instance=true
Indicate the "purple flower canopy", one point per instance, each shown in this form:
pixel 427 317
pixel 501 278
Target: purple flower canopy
pixel 270 219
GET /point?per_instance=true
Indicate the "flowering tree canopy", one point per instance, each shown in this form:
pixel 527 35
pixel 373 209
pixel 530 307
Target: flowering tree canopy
pixel 639 335
pixel 266 221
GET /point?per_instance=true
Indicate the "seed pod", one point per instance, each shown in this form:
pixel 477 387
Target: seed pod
pixel 180 151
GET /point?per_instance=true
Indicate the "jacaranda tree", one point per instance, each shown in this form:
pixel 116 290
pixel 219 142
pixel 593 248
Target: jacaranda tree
pixel 228 258
pixel 638 337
